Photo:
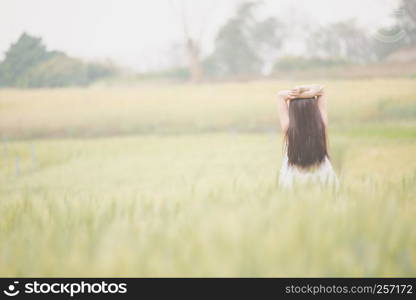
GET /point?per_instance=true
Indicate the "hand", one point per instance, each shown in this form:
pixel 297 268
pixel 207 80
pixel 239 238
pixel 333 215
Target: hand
pixel 294 93
pixel 310 91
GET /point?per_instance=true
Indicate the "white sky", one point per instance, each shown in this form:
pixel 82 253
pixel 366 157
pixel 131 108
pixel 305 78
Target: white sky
pixel 139 33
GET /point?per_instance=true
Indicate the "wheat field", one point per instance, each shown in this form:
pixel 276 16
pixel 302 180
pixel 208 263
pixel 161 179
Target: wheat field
pixel 180 180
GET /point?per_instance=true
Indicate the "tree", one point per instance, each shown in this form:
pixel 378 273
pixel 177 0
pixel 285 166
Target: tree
pixel 341 41
pixel 57 71
pixel 401 34
pixel 408 20
pixel 21 56
pixel 243 42
pixel 192 41
pixel 29 64
pixel 97 70
pixel 195 67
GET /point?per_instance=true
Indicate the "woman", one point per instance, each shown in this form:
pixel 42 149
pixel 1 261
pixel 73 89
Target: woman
pixel 303 118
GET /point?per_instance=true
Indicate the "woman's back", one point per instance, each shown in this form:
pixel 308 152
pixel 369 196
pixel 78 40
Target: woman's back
pixel 303 118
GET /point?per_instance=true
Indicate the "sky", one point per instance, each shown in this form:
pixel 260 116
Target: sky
pixel 140 34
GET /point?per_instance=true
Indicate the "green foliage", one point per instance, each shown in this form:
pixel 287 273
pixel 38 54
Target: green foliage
pixel 395 110
pixel 341 41
pixel 27 52
pixel 382 46
pixel 180 74
pixel 188 188
pixel 400 34
pixel 29 64
pixel 58 71
pixel 240 43
pixel 204 205
pixel 291 63
pixel 96 71
pixel 407 20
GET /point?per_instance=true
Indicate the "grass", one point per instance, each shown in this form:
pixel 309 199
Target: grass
pixel 186 109
pixel 204 202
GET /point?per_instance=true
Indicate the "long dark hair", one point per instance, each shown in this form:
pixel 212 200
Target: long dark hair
pixel 306 135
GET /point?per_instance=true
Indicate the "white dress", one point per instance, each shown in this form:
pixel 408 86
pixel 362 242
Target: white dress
pixel 323 174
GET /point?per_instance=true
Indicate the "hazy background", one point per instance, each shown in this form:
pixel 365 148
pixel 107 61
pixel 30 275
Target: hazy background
pixel 128 31
pixel 148 35
pixel 141 138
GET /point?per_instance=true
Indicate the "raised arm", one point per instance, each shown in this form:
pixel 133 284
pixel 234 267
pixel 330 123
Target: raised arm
pixel 308 91
pixel 322 107
pixel 303 91
pixel 282 106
